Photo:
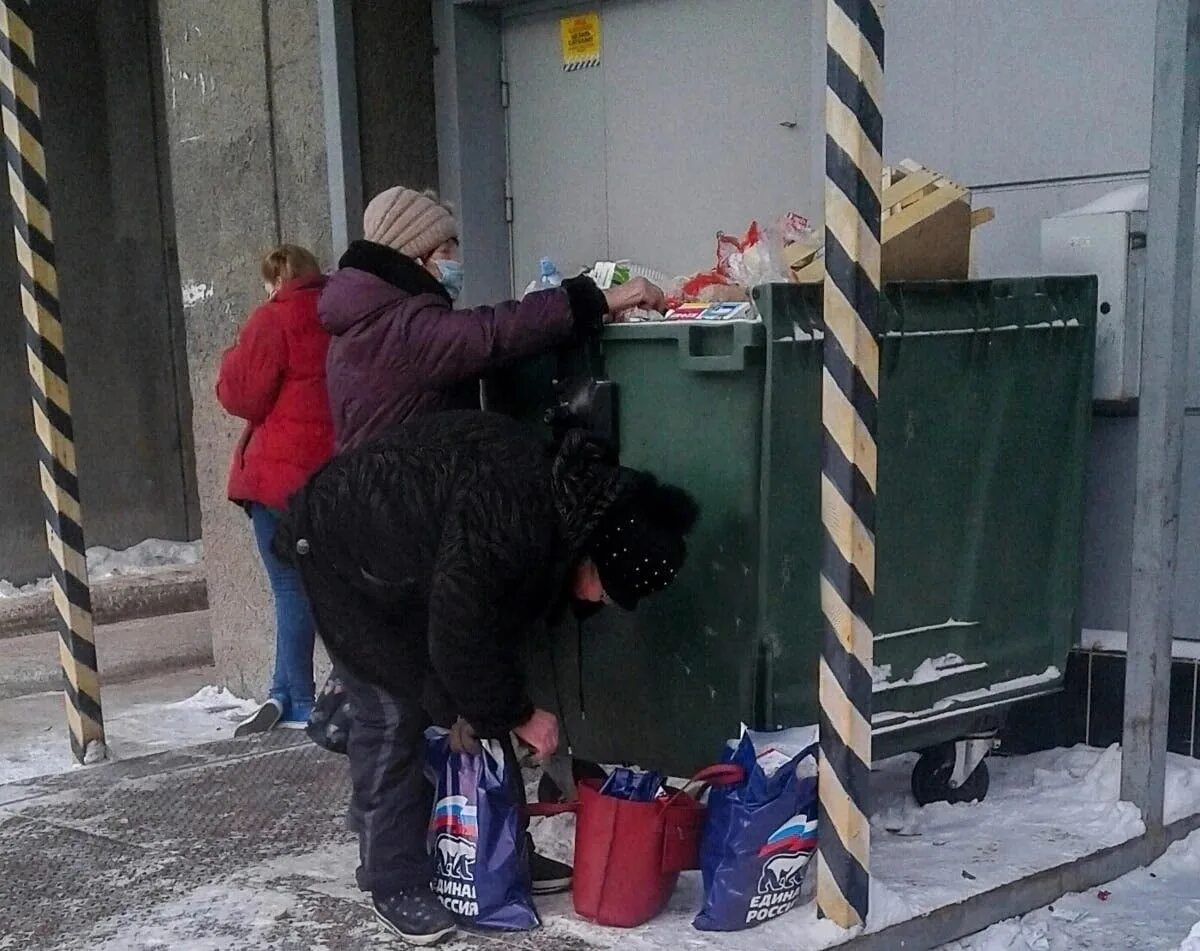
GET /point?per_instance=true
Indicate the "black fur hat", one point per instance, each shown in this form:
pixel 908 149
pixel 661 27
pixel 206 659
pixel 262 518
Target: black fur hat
pixel 639 546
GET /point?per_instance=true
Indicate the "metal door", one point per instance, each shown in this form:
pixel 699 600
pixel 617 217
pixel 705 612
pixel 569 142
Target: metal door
pixel 697 120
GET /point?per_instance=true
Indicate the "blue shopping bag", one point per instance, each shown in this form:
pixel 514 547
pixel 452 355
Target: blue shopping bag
pixel 634 785
pixel 477 837
pixel 760 834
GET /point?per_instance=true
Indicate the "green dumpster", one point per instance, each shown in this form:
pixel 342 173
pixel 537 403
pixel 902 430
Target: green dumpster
pixel 984 410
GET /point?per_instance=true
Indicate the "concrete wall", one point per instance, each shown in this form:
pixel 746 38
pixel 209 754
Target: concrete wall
pixel 245 133
pixel 245 138
pixel 122 322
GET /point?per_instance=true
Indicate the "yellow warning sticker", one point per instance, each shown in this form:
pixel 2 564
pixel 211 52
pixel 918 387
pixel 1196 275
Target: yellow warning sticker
pixel 580 41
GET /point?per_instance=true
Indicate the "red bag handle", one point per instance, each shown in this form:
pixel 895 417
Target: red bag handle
pixel 535 809
pixel 719 774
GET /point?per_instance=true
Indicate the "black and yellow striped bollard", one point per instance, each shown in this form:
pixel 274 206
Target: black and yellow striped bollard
pixel 21 112
pixel 849 395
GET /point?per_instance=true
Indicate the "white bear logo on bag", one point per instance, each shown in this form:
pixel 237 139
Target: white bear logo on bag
pixel 456 858
pixel 783 872
pixel 786 854
pixel 454 831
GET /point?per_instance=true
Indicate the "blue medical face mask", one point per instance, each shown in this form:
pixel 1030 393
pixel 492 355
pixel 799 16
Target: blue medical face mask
pixel 451 277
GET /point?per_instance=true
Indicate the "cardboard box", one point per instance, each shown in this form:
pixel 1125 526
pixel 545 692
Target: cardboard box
pixel 926 228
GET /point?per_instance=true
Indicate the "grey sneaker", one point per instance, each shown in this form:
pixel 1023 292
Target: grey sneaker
pixel 262 720
pixel 415 915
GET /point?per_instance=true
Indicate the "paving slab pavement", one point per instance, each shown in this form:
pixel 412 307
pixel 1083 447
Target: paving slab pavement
pixel 237 844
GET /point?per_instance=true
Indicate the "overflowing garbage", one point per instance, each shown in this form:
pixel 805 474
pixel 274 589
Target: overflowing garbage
pixel 926 225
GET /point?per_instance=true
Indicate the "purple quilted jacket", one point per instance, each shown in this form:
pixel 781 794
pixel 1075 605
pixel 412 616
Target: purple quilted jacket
pixel 399 349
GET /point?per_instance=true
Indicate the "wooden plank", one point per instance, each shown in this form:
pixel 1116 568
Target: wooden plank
pixel 981 216
pixel 906 187
pixel 931 205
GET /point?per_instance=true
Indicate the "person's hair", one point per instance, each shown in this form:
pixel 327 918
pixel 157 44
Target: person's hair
pixel 288 262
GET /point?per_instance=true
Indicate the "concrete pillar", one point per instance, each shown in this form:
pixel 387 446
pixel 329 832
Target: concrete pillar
pixel 245 137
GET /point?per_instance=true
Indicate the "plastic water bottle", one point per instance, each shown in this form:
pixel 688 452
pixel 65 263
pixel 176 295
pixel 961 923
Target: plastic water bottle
pixel 547 278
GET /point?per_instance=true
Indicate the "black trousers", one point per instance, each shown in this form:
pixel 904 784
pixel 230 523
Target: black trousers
pixel 392 796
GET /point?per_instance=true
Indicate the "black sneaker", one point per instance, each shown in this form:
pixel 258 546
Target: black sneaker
pixel 414 914
pixel 548 876
pixel 262 720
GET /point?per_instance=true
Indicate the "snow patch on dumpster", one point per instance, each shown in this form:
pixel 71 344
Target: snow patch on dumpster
pixel 931 669
pixel 948 624
pixel 998 692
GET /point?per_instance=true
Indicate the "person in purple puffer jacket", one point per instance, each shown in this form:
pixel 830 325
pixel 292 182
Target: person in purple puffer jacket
pixel 401 349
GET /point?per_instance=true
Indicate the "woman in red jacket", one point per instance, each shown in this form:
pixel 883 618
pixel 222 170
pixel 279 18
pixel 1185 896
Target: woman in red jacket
pixel 274 378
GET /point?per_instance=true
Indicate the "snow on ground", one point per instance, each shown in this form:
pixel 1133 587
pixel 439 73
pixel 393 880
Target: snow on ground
pixel 1043 810
pixel 1149 909
pixel 147 556
pixel 209 714
pixel 211 918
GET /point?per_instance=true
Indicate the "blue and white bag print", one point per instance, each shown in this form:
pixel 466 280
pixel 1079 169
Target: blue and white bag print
pixel 760 834
pixel 476 838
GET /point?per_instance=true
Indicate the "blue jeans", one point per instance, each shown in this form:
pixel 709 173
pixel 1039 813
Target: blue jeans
pixel 292 684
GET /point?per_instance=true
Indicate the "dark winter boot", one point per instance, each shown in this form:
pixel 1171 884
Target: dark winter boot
pixel 414 914
pixel 547 877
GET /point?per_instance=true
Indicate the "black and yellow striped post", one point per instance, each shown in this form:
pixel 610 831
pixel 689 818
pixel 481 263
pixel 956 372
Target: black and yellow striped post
pixel 849 394
pixel 21 112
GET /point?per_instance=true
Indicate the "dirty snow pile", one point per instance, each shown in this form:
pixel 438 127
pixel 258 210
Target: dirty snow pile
pixel 144 557
pixel 208 715
pixel 1149 909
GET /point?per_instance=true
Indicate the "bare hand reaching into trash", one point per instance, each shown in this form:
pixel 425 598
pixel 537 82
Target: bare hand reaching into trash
pixel 463 738
pixel 636 292
pixel 540 733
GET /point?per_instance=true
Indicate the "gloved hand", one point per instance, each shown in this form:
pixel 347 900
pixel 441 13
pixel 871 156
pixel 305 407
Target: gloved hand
pixel 463 738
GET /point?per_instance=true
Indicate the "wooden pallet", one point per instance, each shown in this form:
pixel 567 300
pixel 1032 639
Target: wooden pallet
pixel 926 228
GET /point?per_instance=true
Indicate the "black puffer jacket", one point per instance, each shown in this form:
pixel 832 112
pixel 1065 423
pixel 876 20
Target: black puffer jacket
pixel 436 549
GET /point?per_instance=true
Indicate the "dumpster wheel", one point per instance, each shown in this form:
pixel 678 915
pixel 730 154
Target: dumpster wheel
pixel 932 775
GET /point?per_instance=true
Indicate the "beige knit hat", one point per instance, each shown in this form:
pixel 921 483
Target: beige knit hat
pixel 411 222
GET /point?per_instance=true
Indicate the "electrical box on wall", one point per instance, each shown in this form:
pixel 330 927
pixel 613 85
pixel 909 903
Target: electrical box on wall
pixel 1111 245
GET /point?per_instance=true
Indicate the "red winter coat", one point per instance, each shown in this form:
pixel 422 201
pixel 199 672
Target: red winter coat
pixel 274 378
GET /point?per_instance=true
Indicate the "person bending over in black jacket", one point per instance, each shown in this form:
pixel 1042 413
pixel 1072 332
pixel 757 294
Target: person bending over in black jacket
pixel 426 557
